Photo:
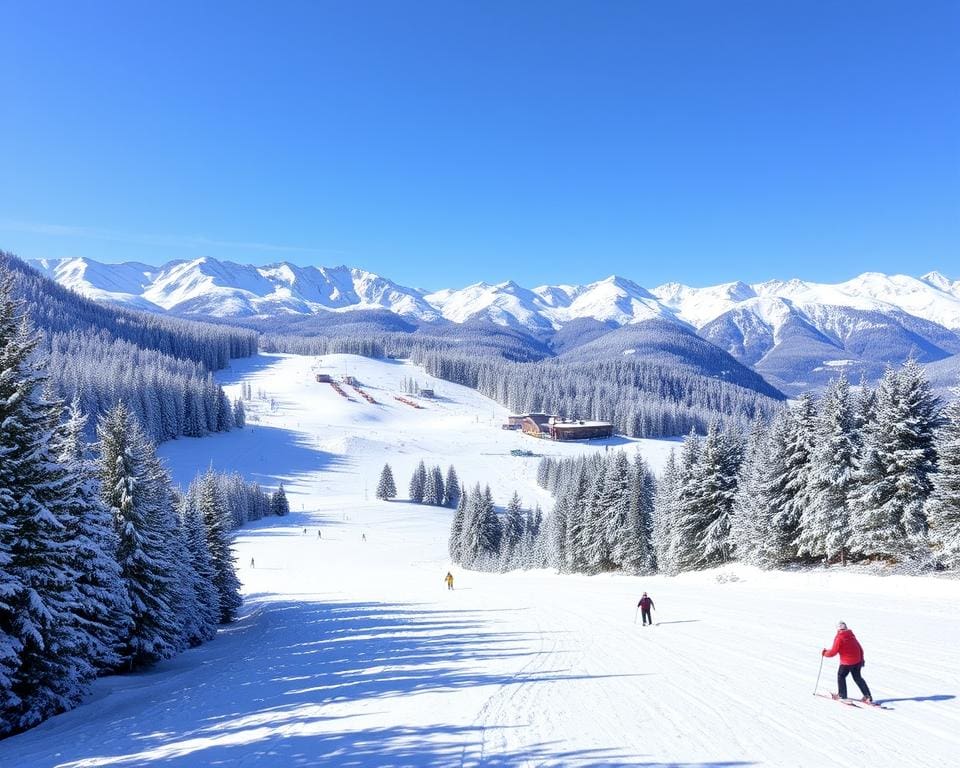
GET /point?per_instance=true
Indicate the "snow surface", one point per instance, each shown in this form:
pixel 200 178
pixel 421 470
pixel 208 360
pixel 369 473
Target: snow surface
pixel 353 653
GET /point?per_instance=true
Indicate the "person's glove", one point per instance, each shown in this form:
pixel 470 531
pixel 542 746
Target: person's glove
pixel 823 652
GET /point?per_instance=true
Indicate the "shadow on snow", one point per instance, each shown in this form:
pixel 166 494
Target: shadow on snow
pixel 283 667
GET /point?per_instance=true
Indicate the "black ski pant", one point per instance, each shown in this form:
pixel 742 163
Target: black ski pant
pixel 852 669
pixel 645 614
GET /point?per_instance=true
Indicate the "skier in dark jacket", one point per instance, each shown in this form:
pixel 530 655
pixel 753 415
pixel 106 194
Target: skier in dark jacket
pixel 851 662
pixel 645 605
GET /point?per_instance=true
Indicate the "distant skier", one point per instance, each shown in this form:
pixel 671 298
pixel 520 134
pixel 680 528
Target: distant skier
pixel 449 579
pixel 363 537
pixel 319 534
pixel 251 563
pixel 851 662
pixel 645 605
pixel 304 530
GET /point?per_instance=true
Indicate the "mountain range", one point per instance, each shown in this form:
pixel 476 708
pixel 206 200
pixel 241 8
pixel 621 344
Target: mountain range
pixel 797 334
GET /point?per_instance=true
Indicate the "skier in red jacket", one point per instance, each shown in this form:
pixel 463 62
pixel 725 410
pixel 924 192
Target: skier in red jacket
pixel 851 662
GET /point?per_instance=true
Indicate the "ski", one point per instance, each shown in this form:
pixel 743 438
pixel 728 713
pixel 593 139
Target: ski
pixel 848 702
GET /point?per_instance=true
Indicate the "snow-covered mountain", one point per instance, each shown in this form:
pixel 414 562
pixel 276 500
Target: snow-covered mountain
pixel 796 333
pixel 223 289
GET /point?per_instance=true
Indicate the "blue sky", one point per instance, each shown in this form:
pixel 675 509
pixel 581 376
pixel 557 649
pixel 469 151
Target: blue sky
pixel 442 143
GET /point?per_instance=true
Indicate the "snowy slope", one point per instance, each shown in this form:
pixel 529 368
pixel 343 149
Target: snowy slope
pixel 352 653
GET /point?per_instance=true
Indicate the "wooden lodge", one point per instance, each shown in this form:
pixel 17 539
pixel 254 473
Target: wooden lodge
pixel 556 428
pixel 324 378
pixel 429 393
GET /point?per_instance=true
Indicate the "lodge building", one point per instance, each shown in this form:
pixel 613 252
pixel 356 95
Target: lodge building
pixel 556 428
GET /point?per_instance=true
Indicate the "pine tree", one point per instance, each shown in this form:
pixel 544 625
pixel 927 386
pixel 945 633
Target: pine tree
pixel 666 504
pixel 512 533
pixel 613 513
pixel 720 461
pixel 455 544
pixel 481 531
pixel 441 491
pixel 137 491
pixel 279 505
pixel 206 598
pixel 635 552
pixel 43 669
pixel 103 612
pixel 688 522
pixel 451 489
pixel 239 414
pixel 418 483
pixel 752 510
pixel 432 486
pixel 386 487
pixel 943 505
pixel 216 520
pixel 893 479
pixel 786 480
pixel 825 519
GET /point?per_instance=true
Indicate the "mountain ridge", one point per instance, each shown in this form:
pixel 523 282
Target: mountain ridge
pixel 797 333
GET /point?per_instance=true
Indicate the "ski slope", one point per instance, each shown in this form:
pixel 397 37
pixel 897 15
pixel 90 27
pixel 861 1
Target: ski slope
pixel 353 653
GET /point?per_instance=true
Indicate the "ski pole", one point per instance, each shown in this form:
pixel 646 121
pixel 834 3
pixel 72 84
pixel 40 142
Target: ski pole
pixel 635 614
pixel 818 675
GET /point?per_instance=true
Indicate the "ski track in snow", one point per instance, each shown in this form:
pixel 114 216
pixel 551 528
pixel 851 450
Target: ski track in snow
pixel 355 654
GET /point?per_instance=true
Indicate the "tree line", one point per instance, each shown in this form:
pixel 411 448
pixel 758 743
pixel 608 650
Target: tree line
pixel 865 474
pixel 161 367
pixel 642 398
pixel 104 567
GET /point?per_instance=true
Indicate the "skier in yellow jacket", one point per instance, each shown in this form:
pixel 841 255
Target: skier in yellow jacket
pixel 449 579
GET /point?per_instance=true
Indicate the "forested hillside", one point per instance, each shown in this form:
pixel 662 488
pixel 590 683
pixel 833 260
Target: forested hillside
pixel 668 387
pixel 159 366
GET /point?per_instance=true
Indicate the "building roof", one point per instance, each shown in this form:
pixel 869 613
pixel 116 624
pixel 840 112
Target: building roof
pixel 580 424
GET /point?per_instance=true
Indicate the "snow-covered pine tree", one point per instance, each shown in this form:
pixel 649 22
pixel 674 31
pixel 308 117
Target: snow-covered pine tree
pixel 943 505
pixel 386 487
pixel 720 461
pixel 279 505
pixel 614 527
pixel 418 483
pixel 239 414
pixel 635 552
pixel 577 522
pixel 594 550
pixel 224 412
pixel 689 520
pixel 44 670
pixel 132 488
pixel 451 489
pixel 780 535
pixel 481 532
pixel 750 522
pixel 825 519
pixel 455 543
pixel 800 439
pixel 893 480
pixel 433 486
pixel 512 534
pixel 103 612
pixel 492 529
pixel 555 534
pixel 438 484
pixel 216 520
pixel 203 626
pixel 665 506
